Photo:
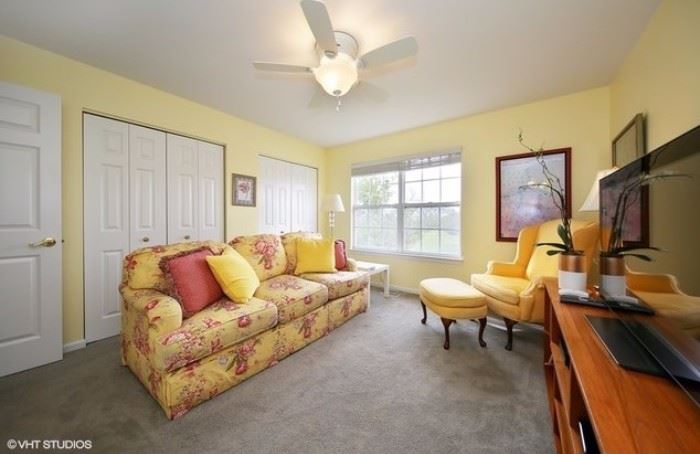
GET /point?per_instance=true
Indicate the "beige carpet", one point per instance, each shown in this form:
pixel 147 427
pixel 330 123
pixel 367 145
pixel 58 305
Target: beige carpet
pixel 381 383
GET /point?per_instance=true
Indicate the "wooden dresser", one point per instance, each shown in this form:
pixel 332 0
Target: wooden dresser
pixel 628 411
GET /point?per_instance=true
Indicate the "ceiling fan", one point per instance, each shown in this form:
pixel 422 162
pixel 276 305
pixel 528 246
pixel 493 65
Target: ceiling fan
pixel 339 64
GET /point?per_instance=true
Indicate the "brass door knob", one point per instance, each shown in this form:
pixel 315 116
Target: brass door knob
pixel 46 242
pixel 145 239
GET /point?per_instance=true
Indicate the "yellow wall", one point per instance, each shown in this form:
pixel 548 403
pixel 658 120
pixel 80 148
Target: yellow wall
pixel 84 87
pixel 580 121
pixel 661 75
pixel 661 78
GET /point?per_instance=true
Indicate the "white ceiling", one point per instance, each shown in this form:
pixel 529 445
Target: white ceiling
pixel 474 55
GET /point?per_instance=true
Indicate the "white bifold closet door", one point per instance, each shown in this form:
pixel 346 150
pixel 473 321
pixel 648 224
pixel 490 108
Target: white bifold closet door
pixel 142 187
pixel 195 190
pixel 147 191
pixel 287 197
pixel 106 222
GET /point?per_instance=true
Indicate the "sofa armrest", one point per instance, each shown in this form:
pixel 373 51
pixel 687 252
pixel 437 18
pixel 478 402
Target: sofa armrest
pixel 352 264
pixel 509 269
pixel 655 283
pixel 162 312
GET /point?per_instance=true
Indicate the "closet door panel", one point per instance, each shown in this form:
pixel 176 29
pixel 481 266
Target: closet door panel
pixel 303 198
pixel 183 188
pixel 106 222
pixel 283 189
pixel 211 192
pixel 266 196
pixel 147 191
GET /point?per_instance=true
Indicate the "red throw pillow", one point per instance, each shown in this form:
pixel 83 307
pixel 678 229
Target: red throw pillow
pixel 341 258
pixel 191 281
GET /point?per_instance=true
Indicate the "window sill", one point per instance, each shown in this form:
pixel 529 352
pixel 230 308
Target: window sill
pixel 423 257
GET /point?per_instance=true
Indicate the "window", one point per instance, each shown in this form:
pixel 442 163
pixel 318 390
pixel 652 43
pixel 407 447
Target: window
pixel 410 206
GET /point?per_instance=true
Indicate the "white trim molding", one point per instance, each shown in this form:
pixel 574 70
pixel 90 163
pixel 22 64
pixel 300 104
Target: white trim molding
pixel 75 345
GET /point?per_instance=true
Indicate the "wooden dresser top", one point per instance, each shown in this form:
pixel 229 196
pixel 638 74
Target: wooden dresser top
pixel 629 411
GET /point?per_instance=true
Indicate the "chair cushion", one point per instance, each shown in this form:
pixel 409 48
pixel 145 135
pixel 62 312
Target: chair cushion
pixel 502 288
pixel 234 274
pixel 289 241
pixel 340 284
pixel 315 256
pixel 214 328
pixel 448 292
pixel 292 296
pixel 192 283
pixel 264 253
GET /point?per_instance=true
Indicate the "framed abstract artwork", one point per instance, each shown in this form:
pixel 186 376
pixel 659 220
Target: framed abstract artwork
pixel 518 207
pixel 630 143
pixel 243 190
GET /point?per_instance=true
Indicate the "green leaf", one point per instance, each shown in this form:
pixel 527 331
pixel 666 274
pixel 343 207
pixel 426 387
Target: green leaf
pixel 554 252
pixel 561 231
pixel 637 248
pixel 558 245
pixel 639 256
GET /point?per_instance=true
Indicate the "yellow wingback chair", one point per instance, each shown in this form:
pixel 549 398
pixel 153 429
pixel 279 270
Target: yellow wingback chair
pixel 514 290
pixel 662 292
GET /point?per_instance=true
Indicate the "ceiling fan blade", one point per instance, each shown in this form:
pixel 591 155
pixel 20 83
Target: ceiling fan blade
pixel 320 25
pixel 369 92
pixel 280 67
pixel 389 53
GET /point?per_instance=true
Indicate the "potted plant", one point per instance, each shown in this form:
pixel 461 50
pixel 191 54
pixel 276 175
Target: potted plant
pixel 572 262
pixel 612 259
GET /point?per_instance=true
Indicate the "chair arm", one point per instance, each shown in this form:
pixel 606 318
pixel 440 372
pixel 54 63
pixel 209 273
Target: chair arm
pixel 509 269
pixel 655 283
pixel 162 312
pixel 532 301
pixel 352 264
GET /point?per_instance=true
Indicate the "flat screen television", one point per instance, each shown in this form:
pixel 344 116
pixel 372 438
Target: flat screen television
pixel 666 215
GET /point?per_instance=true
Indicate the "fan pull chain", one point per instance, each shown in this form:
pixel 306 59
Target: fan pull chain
pixel 337 107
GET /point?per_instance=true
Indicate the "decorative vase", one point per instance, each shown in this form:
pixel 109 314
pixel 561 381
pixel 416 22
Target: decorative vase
pixel 572 272
pixel 612 275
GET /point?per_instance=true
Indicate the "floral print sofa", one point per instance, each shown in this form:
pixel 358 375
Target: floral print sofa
pixel 183 362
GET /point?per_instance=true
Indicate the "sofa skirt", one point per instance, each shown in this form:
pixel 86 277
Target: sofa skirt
pixel 180 390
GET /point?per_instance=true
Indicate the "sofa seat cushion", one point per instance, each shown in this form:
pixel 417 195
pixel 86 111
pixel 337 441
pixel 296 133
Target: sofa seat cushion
pixel 502 288
pixel 292 296
pixel 340 284
pixel 214 328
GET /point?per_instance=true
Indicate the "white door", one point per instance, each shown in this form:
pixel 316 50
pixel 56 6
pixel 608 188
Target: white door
pixel 287 197
pixel 211 192
pixel 304 199
pixel 30 229
pixel 147 192
pixel 183 190
pixel 106 222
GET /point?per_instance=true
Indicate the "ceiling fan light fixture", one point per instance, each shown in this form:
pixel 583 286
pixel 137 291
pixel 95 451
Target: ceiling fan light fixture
pixel 336 75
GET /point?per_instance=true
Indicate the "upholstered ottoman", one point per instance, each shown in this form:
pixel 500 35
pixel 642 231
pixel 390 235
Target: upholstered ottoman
pixel 451 299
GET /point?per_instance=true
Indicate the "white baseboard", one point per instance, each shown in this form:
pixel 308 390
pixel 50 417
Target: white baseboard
pixel 72 346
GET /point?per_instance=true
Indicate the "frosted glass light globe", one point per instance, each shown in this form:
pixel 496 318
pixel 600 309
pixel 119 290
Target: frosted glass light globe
pixel 336 75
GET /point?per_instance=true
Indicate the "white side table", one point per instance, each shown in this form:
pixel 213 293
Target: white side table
pixel 377 268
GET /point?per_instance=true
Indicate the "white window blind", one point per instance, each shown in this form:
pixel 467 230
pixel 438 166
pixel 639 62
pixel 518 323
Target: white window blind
pixel 408 206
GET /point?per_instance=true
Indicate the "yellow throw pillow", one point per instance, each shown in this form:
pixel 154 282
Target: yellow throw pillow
pixel 234 274
pixel 315 256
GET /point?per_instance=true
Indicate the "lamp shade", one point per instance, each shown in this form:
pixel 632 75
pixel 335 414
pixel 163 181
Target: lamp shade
pixel 592 202
pixel 333 202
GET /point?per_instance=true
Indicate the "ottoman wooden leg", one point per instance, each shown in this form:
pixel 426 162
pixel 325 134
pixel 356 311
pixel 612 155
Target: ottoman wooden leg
pixel 446 323
pixel 482 326
pixel 425 314
pixel 509 327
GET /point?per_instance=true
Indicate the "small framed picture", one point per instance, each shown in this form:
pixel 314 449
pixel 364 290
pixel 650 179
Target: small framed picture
pixel 243 190
pixel 630 143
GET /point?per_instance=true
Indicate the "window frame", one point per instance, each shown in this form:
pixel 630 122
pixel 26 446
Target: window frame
pixel 401 206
